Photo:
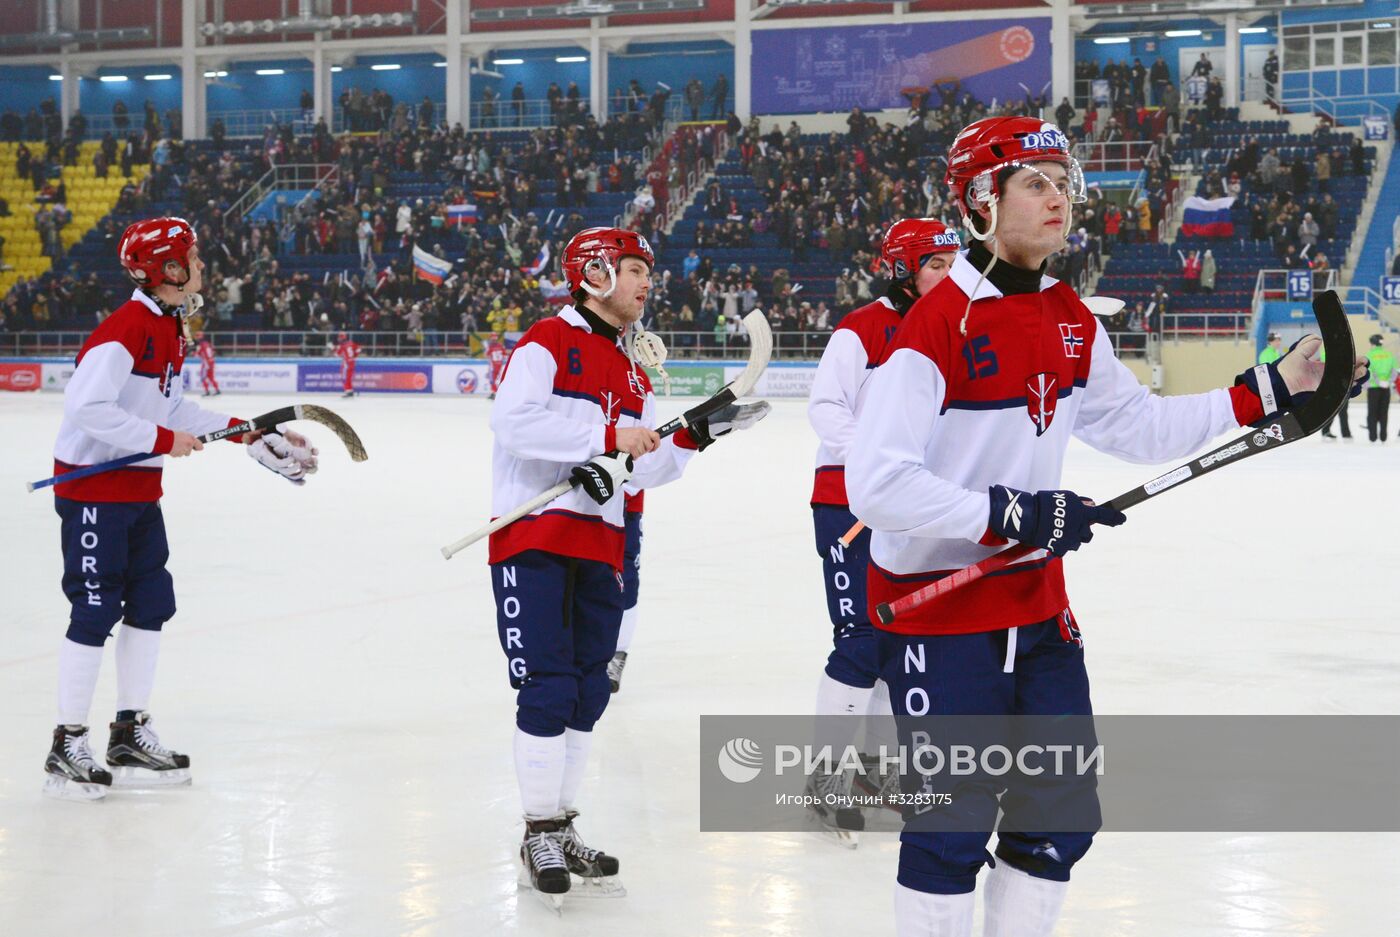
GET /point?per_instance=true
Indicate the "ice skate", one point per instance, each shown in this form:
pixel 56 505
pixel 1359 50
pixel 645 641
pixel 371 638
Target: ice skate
pixel 137 758
pixel 840 819
pixel 543 868
pixel 619 661
pixel 594 871
pixel 881 784
pixel 73 773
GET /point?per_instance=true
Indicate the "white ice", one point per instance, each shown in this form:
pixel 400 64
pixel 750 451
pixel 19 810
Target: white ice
pixel 344 699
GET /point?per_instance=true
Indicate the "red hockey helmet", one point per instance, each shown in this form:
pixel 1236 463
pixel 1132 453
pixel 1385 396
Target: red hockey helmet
pixel 147 246
pixel 909 242
pixel 994 143
pixel 602 249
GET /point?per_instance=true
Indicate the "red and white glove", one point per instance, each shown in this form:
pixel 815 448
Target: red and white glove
pixel 285 452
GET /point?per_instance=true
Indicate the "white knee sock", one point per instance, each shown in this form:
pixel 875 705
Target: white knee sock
pixel 835 698
pixel 576 748
pixel 921 914
pixel 879 722
pixel 629 626
pixel 539 770
pixel 78 666
pixel 1020 905
pixel 137 650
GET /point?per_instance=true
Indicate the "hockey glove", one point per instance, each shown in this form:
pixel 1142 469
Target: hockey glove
pixel 1057 521
pixel 603 477
pixel 735 416
pixel 1287 383
pixel 289 454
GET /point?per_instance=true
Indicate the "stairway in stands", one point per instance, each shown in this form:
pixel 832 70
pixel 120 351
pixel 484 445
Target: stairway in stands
pixel 1370 265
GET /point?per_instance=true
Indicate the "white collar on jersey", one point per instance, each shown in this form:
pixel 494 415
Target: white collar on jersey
pixel 146 301
pixel 966 275
pixel 570 315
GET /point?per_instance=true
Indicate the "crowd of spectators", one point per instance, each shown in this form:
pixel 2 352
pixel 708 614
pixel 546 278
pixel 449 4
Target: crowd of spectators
pixel 505 179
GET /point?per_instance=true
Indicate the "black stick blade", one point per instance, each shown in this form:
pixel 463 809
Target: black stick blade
pixel 332 421
pixel 1340 347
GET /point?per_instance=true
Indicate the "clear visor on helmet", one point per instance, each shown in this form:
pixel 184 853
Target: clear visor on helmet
pixel 1072 186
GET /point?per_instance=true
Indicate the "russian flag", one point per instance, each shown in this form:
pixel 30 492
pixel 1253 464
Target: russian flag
pixel 461 214
pixel 427 267
pixel 541 261
pixel 1208 217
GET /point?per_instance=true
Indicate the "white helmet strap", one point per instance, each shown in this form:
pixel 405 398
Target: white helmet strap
pixel 599 263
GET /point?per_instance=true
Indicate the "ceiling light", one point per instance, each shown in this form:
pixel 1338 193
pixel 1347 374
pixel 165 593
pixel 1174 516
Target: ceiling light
pixel 271 71
pixel 570 58
pixel 159 77
pixel 1382 25
pixel 216 74
pixel 439 65
pixel 1181 33
pixel 1251 30
pixel 1111 40
pixel 112 78
pixel 55 78
pixel 385 68
pixel 507 61
pixel 336 68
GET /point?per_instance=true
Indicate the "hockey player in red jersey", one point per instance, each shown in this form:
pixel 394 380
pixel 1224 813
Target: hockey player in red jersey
pixel 496 360
pixel 348 351
pixel 957 451
pixel 125 397
pixel 915 256
pixel 573 403
pixel 204 348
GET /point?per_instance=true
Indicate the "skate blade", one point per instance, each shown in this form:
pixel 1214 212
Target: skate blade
pixel 61 788
pixel 554 902
pixel 846 839
pixel 596 886
pixel 131 777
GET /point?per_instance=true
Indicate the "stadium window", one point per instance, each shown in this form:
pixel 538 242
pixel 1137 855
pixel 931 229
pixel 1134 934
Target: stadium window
pixel 1295 54
pixel 1351 49
pixel 1381 47
pixel 1324 51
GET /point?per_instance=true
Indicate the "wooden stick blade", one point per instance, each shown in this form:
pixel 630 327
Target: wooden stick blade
pixel 333 421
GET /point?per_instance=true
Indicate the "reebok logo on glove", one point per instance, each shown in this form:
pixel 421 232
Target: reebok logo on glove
pixel 1055 521
pixel 603 477
pixel 1011 518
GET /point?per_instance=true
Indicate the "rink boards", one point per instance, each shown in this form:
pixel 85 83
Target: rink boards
pixel 452 376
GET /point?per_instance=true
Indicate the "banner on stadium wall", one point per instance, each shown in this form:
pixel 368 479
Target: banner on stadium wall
pixel 780 380
pixel 57 374
pixel 245 377
pixel 21 375
pixel 836 68
pixel 371 376
pixel 464 378
pixel 459 376
pixel 689 380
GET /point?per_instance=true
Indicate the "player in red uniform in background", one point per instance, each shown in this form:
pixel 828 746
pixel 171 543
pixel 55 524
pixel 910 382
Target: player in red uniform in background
pixel 205 350
pixel 347 350
pixel 496 355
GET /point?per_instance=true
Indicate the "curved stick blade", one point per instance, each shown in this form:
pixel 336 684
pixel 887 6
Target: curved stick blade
pixel 332 421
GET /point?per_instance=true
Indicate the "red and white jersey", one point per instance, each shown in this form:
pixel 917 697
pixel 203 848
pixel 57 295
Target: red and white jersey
pixel 347 351
pixel 496 355
pixel 565 393
pixel 125 397
pixel 946 416
pixel 852 353
pixel 205 350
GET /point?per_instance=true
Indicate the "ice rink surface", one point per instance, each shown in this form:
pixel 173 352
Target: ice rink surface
pixel 342 695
